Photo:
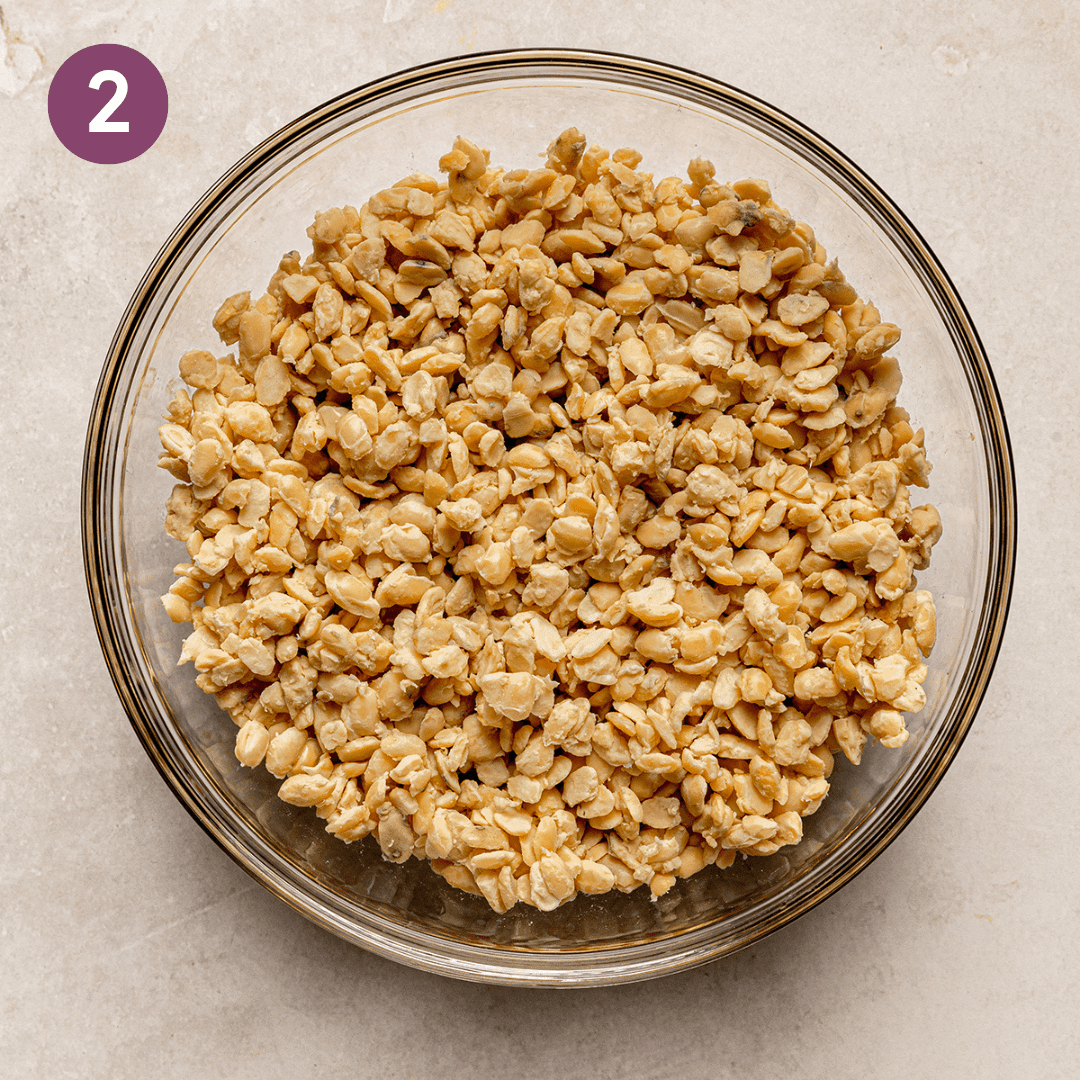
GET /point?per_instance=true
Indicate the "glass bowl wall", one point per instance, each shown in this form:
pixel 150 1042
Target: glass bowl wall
pixel 514 104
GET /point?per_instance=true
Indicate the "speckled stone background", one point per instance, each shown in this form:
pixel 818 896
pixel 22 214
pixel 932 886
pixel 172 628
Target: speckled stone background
pixel 131 946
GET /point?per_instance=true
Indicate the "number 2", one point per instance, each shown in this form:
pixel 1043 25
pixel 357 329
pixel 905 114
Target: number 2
pixel 101 122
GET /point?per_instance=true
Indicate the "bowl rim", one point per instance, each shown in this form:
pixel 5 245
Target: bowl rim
pixel 421 949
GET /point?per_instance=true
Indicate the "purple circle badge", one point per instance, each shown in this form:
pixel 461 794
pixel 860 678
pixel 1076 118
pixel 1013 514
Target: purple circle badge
pixel 108 104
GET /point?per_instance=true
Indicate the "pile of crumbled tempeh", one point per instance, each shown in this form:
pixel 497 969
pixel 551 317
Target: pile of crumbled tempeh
pixel 554 525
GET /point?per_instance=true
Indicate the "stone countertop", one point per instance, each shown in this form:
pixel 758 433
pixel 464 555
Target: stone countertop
pixel 130 945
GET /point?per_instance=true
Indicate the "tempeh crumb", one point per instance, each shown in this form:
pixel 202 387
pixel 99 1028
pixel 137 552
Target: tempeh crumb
pixel 553 525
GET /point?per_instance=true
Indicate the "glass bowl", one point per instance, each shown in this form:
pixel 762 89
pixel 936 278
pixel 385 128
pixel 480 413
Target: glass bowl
pixel 515 103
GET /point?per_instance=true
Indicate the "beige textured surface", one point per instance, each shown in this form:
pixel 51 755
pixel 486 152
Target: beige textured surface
pixel 130 946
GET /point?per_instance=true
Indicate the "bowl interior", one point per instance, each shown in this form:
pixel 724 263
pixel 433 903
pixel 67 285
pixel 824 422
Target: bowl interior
pixel 233 243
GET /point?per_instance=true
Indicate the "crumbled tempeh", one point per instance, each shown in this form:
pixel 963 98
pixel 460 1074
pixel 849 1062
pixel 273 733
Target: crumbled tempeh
pixel 554 525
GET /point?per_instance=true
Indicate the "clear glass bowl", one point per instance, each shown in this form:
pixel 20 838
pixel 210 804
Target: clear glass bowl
pixel 515 103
